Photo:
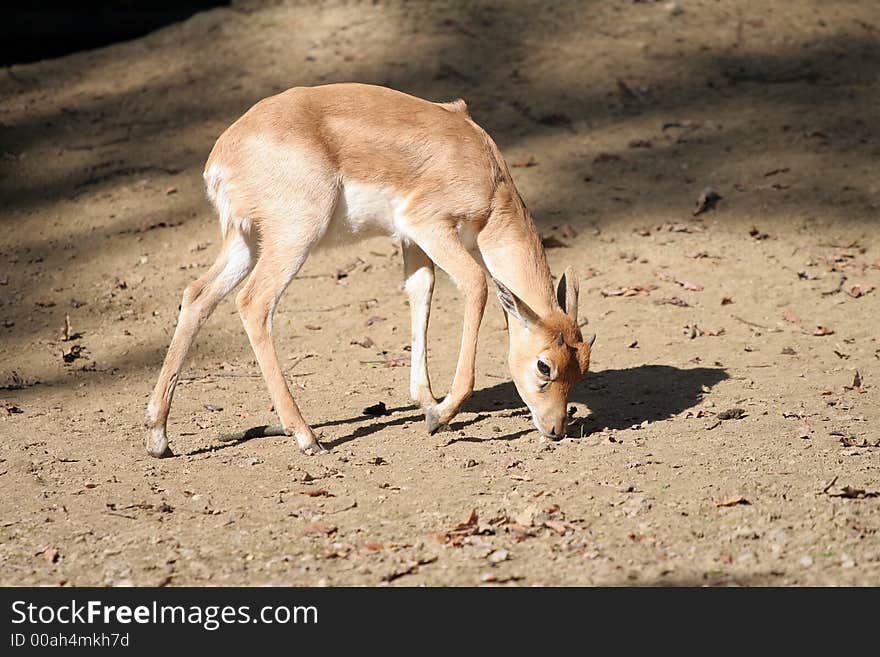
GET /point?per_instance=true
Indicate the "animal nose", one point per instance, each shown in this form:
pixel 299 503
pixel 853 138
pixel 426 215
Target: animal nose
pixel 558 430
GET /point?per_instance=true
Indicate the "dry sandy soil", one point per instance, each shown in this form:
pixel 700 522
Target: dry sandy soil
pixel 624 112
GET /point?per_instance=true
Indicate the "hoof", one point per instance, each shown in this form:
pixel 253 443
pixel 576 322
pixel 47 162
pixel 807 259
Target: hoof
pixel 313 450
pixel 157 444
pixel 432 421
pixel 308 443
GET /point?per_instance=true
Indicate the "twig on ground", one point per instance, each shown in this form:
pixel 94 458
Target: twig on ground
pixel 263 431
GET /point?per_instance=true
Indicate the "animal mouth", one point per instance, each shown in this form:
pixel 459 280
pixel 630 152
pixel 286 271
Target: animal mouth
pixel 543 431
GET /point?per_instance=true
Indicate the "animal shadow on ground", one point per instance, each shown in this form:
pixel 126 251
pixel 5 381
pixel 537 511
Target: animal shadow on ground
pixel 617 399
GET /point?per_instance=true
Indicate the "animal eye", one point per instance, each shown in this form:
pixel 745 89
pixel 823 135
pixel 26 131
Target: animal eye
pixel 543 368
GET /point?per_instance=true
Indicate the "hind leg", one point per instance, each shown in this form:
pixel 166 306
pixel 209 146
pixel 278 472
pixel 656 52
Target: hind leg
pixel 200 299
pixel 257 300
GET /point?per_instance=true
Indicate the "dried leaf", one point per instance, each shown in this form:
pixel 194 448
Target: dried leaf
pixel 470 523
pixel 672 301
pixel 852 493
pixel 524 163
pixel 856 384
pixel 687 285
pixel 726 301
pixel 707 200
pixel 692 331
pixel 631 291
pixel 213 408
pixel 733 501
pixel 318 492
pixel 70 355
pixel 377 410
pixel 8 408
pixel 551 242
pixel 732 414
pixel 50 554
pixel 456 535
pixel 408 569
pixel 823 330
pixel 682 228
pixel 375 319
pixel 568 231
pixel 366 342
pixel 557 526
pixel 857 291
pixel 319 529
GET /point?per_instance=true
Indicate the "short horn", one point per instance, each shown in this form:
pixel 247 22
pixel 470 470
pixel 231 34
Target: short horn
pixel 567 293
pixel 591 339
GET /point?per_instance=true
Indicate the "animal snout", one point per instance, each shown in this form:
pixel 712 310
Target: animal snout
pixel 558 429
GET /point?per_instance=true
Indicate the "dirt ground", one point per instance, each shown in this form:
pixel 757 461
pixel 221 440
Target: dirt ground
pixel 616 115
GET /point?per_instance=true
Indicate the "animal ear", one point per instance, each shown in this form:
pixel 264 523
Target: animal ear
pixel 583 353
pixel 514 306
pixel 567 293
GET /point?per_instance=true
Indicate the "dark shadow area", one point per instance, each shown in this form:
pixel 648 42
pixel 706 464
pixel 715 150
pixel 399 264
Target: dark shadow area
pixel 373 427
pixel 505 437
pixel 618 399
pixel 43 30
pixel 375 423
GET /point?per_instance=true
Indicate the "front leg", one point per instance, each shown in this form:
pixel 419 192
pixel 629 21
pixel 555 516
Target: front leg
pixel 443 245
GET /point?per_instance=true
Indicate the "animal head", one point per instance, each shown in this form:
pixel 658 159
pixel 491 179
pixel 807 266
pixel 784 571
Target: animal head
pixel 548 355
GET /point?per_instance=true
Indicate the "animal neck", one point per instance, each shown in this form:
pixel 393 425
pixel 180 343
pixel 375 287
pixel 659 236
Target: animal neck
pixel 512 250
